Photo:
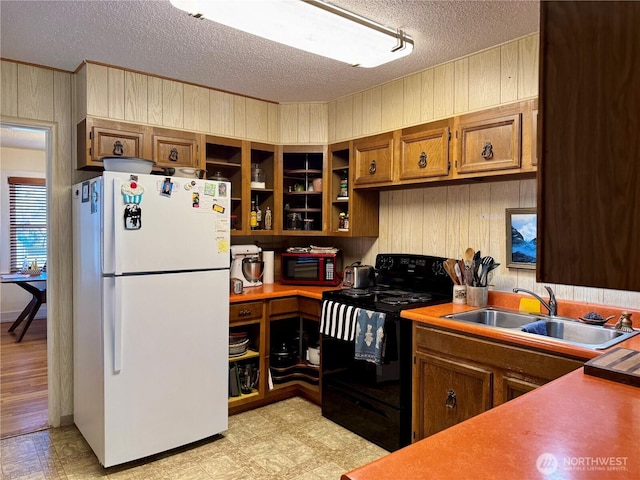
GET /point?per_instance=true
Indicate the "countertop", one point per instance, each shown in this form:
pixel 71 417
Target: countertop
pixel 578 426
pixel 276 290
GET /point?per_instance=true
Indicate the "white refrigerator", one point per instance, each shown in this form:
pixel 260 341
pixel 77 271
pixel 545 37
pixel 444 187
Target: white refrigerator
pixel 151 312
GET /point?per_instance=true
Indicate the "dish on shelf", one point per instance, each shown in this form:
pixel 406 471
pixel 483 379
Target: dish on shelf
pixel 239 348
pixel 127 164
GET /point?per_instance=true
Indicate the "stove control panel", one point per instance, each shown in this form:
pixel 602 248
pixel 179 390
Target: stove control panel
pixel 419 272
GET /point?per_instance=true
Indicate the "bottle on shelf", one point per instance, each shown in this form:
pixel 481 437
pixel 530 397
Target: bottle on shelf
pixel 253 218
pixel 268 219
pixel 344 186
pixel 258 214
pixel 346 222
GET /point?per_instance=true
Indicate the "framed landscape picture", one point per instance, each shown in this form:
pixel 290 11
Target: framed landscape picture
pixel 521 237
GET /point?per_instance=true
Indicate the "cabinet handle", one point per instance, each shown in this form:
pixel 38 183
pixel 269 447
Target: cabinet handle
pixel 423 160
pixel 118 148
pixel 372 167
pixel 487 151
pixel 244 313
pixel 451 400
pixel 173 155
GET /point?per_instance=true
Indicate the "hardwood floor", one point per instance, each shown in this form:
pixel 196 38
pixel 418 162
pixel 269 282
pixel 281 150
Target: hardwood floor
pixel 23 380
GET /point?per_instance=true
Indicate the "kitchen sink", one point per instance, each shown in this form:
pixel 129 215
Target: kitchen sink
pixel 495 318
pixel 559 329
pixel 580 333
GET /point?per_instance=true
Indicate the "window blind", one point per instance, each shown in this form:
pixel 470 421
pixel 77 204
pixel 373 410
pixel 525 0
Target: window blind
pixel 27 221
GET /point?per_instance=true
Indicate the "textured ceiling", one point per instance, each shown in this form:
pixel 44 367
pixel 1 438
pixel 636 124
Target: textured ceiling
pixel 154 37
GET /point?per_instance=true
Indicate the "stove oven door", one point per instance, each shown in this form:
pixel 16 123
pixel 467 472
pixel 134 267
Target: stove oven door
pixel 366 398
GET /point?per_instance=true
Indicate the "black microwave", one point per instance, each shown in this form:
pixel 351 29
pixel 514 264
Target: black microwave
pixel 310 269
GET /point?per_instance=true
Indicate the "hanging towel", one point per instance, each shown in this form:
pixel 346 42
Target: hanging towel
pixel 338 320
pixel 369 337
pixel 539 327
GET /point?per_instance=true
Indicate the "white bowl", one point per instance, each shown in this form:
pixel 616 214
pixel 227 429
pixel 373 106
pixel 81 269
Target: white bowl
pixel 313 355
pixel 127 164
pixel 187 172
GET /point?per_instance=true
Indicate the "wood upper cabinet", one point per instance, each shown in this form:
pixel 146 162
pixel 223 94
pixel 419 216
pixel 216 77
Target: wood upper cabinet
pixel 424 153
pixel 374 160
pixel 361 205
pixel 489 140
pixel 99 138
pixel 456 376
pixel 175 149
pixel 588 195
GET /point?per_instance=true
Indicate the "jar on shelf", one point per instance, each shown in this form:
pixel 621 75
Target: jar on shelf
pixel 344 186
pixel 257 177
pixel 341 220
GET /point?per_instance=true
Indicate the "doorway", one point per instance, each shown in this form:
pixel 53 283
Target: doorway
pixel 25 155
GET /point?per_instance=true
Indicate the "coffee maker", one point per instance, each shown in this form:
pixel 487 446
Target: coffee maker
pixel 247 265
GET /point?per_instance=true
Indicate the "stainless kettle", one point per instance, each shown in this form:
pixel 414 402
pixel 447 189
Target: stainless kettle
pixel 358 276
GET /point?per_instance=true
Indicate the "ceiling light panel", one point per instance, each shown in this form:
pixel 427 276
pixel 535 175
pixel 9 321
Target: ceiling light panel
pixel 309 25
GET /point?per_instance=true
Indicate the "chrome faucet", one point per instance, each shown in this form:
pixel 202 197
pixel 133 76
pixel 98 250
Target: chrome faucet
pixel 552 306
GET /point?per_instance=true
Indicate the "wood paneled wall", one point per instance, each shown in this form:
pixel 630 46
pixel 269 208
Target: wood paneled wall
pixel 445 220
pixel 499 75
pixel 43 97
pixel 140 98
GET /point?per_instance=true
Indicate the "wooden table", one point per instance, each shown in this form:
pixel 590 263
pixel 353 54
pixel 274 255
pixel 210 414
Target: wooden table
pixel 39 294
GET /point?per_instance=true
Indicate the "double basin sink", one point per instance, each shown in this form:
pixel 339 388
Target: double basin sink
pixel 560 329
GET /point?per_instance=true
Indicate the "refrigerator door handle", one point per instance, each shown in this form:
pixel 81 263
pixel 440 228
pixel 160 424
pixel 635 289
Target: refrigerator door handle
pixel 117 326
pixel 117 233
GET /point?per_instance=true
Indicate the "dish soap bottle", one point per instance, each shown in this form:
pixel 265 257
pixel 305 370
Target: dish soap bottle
pixel 267 219
pixel 258 214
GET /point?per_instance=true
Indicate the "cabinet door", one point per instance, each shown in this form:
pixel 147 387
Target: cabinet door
pixel 489 144
pixel 373 161
pixel 425 154
pixel 106 142
pixel 175 152
pixel 513 387
pixel 589 123
pixel 448 392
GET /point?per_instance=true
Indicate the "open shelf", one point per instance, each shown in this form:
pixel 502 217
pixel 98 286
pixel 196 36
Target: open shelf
pixel 245 356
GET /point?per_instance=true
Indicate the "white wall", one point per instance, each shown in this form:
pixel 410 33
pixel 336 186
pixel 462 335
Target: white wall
pixel 15 162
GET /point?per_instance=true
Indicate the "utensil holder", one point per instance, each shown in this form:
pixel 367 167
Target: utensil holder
pixel 460 294
pixel 477 296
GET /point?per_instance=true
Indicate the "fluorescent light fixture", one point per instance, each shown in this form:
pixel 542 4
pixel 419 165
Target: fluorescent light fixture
pixel 310 25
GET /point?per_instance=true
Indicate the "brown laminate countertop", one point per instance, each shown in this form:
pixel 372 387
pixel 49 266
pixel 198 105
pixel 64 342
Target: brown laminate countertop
pixel 576 427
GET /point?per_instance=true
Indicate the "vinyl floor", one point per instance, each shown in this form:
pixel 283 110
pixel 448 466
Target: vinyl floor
pixel 288 440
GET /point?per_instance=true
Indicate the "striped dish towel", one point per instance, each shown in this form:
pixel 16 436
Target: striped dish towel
pixel 338 320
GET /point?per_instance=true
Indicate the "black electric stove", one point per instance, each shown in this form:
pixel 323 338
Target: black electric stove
pixel 373 400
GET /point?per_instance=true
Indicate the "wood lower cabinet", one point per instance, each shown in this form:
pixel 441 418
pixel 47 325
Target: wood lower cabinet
pixel 453 391
pixel 373 160
pixel 248 318
pixel 267 322
pixel 456 376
